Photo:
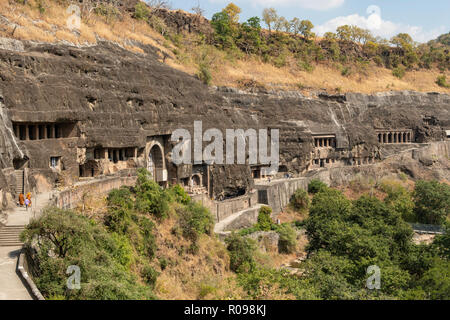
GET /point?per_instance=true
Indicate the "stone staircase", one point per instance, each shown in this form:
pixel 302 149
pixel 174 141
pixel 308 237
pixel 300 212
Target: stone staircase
pixel 19 187
pixel 10 236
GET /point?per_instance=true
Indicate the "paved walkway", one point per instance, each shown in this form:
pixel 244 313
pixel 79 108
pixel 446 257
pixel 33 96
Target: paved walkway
pixel 11 286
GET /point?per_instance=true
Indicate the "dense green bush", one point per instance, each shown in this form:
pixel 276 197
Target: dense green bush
pixel 66 238
pixel 148 244
pixel 288 239
pixel 432 202
pixel 316 186
pixel 178 194
pixel 204 73
pixel 141 11
pixel 399 72
pixel 442 81
pixel 399 200
pixel 264 220
pixel 120 210
pixel 195 220
pixel 242 252
pixel 300 200
pixel 150 197
pixel 149 274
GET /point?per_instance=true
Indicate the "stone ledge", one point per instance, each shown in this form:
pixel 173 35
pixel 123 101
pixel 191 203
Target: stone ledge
pixel 22 271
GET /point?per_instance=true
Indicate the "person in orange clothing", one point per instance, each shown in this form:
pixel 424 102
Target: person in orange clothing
pixel 29 198
pixel 21 200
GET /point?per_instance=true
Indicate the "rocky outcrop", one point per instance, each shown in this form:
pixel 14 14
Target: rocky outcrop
pixel 107 97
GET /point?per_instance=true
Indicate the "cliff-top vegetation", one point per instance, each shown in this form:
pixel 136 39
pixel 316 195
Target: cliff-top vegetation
pixel 286 56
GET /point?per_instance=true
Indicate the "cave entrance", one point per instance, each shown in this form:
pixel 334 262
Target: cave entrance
pixel 196 181
pixel 20 163
pixel 155 164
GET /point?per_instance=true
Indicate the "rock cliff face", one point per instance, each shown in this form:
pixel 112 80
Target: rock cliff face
pixel 70 112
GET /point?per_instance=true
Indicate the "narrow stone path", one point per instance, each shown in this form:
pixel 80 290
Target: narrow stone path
pixel 11 286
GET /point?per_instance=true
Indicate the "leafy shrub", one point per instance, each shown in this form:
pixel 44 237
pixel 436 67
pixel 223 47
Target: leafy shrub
pixel 150 197
pixel 288 239
pixel 66 238
pixel 141 11
pixel 442 81
pixel 264 220
pixel 120 210
pixel 123 253
pixel 204 74
pixel 246 231
pixel 158 25
pixel 110 12
pixel 242 251
pixel 163 263
pixel 399 200
pixel 195 220
pixel 399 72
pixel 432 201
pixel 178 194
pixel 206 289
pixel 148 244
pixel 316 186
pixel 149 274
pixel 346 71
pixel 300 200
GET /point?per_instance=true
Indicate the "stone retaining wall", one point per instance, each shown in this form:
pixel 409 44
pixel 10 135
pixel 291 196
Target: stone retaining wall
pixel 70 198
pixel 223 209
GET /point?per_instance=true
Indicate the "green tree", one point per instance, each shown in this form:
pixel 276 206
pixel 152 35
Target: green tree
pixel 400 200
pixel 300 200
pixel 233 12
pixel 436 281
pixel 264 220
pixel 315 186
pixel 281 24
pixel 250 36
pixel 296 25
pixel 195 220
pixel 150 197
pixel 223 30
pixel 67 238
pixel 305 29
pixel 242 253
pixel 288 239
pixel 269 17
pixel 344 32
pixel 432 201
pixel 330 36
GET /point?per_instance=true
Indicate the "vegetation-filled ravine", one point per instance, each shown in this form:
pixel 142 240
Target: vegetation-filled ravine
pixel 145 242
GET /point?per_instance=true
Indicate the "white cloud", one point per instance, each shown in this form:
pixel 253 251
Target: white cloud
pixel 309 4
pixel 378 26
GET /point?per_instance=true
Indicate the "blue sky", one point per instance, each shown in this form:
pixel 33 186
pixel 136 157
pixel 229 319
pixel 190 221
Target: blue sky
pixel 424 20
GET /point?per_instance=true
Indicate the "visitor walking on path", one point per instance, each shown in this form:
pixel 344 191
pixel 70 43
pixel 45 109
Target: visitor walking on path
pixel 29 198
pixel 27 203
pixel 21 199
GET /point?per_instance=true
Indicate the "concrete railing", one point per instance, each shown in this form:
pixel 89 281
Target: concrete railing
pixel 23 271
pixel 71 197
pixel 427 228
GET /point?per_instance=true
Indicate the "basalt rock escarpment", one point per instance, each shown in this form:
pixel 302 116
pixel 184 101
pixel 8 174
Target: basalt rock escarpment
pixel 71 112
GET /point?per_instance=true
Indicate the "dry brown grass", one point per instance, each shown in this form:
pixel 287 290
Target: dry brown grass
pixel 325 77
pixel 203 275
pixel 50 26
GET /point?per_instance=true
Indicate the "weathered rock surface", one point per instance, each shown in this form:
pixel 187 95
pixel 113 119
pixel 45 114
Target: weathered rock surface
pixel 118 99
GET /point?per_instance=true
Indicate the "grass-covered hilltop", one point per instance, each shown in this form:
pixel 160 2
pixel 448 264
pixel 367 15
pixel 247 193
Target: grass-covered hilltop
pixel 144 242
pixel 226 51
